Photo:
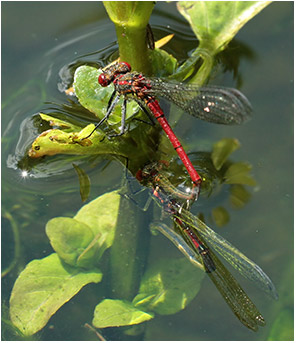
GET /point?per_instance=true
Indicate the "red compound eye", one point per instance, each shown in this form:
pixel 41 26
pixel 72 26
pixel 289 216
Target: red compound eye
pixel 103 80
pixel 127 65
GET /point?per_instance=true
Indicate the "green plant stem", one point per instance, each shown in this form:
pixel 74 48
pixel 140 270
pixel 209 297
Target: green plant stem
pixel 129 251
pixel 131 19
pixel 188 67
pixel 133 47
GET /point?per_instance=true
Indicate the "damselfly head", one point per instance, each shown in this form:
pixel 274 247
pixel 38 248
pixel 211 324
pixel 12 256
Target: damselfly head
pixel 105 80
pixel 111 72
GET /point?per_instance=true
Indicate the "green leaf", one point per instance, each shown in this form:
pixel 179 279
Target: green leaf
pixel 239 173
pixel 101 216
pixel 111 312
pixel 239 196
pixel 168 286
pixel 222 150
pixel 55 141
pixel 59 123
pixel 94 97
pixel 81 241
pixel 84 182
pixel 283 326
pixel 42 288
pixel 71 239
pixel 85 142
pixel 220 216
pixel 163 63
pixel 215 23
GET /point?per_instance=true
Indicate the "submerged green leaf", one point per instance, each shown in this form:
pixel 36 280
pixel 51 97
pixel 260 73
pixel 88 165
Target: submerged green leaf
pixel 239 173
pixel 70 239
pixel 215 23
pixel 222 150
pixel 168 286
pixel 81 241
pixel 220 216
pixel 239 196
pixel 84 182
pixel 101 216
pixel 283 326
pixel 42 288
pixel 111 312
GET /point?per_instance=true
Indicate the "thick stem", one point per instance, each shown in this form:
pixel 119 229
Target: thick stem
pixel 131 19
pixel 133 47
pixel 129 251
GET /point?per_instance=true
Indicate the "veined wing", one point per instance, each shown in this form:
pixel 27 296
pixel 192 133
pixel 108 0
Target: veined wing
pixel 232 255
pixel 215 104
pixel 236 298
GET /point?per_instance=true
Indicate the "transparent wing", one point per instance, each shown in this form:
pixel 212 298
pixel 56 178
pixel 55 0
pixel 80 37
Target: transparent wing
pixel 236 298
pixel 215 104
pixel 232 255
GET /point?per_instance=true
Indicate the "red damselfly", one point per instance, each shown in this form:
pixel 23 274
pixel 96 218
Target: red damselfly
pixel 214 104
pixel 194 238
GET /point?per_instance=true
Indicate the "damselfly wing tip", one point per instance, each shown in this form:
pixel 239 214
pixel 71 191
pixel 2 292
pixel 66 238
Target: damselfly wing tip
pixel 260 320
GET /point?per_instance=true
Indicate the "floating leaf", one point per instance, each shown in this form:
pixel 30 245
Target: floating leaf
pixel 111 312
pixel 239 173
pixel 54 141
pixel 168 286
pixel 42 288
pixel 222 150
pixel 215 23
pixel 84 182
